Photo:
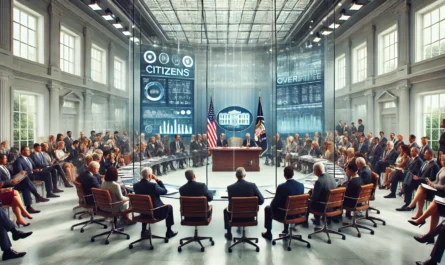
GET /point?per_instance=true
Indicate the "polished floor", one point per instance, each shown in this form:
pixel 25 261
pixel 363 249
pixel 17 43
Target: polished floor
pixel 54 243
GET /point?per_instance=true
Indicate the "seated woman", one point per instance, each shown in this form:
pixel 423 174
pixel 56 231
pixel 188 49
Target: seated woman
pixel 110 184
pixel 423 194
pixel 60 155
pixel 342 157
pixel 291 147
pixel 401 164
pixel 435 210
pixel 350 156
pixel 328 151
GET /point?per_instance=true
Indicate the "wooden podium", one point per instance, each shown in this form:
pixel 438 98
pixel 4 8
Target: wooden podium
pixel 229 159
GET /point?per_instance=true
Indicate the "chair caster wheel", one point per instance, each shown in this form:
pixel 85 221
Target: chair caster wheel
pixel 375 225
pixel 344 238
pixel 72 228
pixel 384 223
pixel 339 230
pixel 105 227
pixel 359 235
pixel 130 246
pixel 274 243
pixel 234 240
pixel 166 240
pixel 329 241
pixel 308 245
pixel 230 250
pixel 257 249
pixel 92 239
pixel 179 249
pixel 309 237
pixel 213 243
pixel 107 242
pixel 372 232
pixel 203 249
pixel 180 242
pixel 289 249
pixel 151 248
pixel 81 230
pixel 128 237
pixel 80 218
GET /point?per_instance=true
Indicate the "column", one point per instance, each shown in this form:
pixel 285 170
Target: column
pixel 370 43
pixel 6 102
pixel 404 39
pixel 369 125
pixel 88 96
pixel 87 55
pixel 6 10
pixel 54 107
pixel 111 54
pixel 55 13
pixel 404 110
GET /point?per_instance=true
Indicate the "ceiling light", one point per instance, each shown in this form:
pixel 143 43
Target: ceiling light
pixel 108 14
pixel 117 24
pixel 126 32
pixel 355 6
pixel 317 38
pixel 343 15
pixel 334 25
pixel 326 32
pixel 134 39
pixel 94 4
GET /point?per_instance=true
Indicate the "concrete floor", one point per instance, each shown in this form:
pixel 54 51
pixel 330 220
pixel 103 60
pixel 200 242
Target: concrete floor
pixel 54 243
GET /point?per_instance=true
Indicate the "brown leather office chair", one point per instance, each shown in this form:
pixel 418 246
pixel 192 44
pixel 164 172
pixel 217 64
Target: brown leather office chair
pixel 332 207
pixel 361 204
pixel 235 142
pixel 375 182
pixel 104 207
pixel 195 211
pixel 143 205
pixel 295 213
pixel 244 212
pixel 89 209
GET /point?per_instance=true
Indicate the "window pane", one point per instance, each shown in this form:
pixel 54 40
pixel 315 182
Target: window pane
pixel 435 32
pixel 32 23
pixel 435 16
pixel 24 34
pixel 32 38
pixel 23 19
pixel 426 20
pixel 16 48
pixel 427 51
pixel 16 15
pixel 32 54
pixel 427 36
pixel 24 50
pixel 16 31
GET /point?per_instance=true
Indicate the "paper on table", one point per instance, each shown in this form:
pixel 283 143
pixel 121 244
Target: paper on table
pixel 428 187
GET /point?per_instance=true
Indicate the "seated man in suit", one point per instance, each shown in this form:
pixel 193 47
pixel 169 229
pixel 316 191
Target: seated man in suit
pixel 68 141
pixel 382 140
pixel 352 186
pixel 425 147
pixel 49 162
pixel 195 189
pixel 25 186
pixel 84 168
pixel 428 170
pixel 413 168
pixel 241 188
pixel 363 170
pixel 155 190
pixel 6 225
pixel 151 152
pixel 398 142
pixel 105 162
pixel 389 158
pixel 248 142
pixel 195 151
pixel 322 186
pixel 42 163
pixel 222 142
pixel 439 246
pixel 363 146
pixel 177 148
pixel 23 162
pixel 375 153
pixel 289 188
pixel 412 141
pixel 279 149
pixel 89 180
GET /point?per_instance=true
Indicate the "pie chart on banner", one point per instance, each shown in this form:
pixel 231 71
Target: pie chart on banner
pixel 154 91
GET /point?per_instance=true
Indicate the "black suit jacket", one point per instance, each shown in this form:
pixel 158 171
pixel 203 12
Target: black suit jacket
pixel 361 128
pixel 289 188
pixel 364 149
pixel 323 185
pixel 414 166
pixel 195 146
pixel 365 175
pixel 383 141
pixel 397 144
pixel 155 190
pixel 423 150
pixel 20 164
pixel 39 160
pixel 315 152
pixel 252 142
pixel 429 171
pixel 392 157
pixel 339 129
pixel 193 188
pixel 441 145
pixel 243 188
pixel 104 165
pixel 173 147
pixel 414 145
pixel 5 179
pixel 88 181
pixel 352 190
pixel 375 154
pixel 223 144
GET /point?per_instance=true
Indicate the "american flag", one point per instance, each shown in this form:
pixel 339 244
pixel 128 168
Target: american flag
pixel 211 125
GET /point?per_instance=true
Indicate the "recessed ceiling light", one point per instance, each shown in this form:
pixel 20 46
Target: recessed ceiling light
pixel 117 24
pixel 94 4
pixel 317 38
pixel 134 39
pixel 326 32
pixel 355 6
pixel 334 25
pixel 108 14
pixel 126 32
pixel 343 15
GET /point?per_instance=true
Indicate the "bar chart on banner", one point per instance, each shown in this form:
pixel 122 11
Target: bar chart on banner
pixel 168 120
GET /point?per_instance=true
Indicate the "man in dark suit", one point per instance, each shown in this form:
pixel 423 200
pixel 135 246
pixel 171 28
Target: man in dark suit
pixel 195 189
pixel 289 188
pixel 315 150
pixel 195 151
pixel 375 153
pixel 322 186
pixel 151 152
pixel 412 141
pixel 441 142
pixel 279 149
pixel 241 188
pixel 25 186
pixel 93 136
pixel 428 170
pixel 161 151
pixel 389 158
pixel 413 168
pixel 6 225
pixel 392 138
pixel 370 141
pixel 68 141
pixel 41 163
pixel 425 147
pixel 155 190
pixel 363 145
pixel 382 140
pixel 439 246
pixel 352 186
pixel 363 171
pixel 339 127
pixel 105 162
pixel 399 142
pixel 248 142
pixel 222 141
pixel 89 180
pixel 177 148
pixel 361 127
pixel 25 163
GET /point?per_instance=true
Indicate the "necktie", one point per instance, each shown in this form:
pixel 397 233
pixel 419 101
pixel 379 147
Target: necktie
pixel 6 171
pixel 177 146
pixel 386 155
pixel 29 163
pixel 424 165
pixel 42 158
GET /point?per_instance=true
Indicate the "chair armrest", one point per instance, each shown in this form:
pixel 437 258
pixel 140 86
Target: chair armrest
pixel 117 202
pixel 155 209
pixel 353 198
pixel 317 201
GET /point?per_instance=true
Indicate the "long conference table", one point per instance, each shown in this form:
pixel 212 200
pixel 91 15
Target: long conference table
pixel 230 158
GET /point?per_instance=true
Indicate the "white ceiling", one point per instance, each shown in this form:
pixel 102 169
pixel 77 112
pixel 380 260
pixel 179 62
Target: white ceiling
pixel 228 21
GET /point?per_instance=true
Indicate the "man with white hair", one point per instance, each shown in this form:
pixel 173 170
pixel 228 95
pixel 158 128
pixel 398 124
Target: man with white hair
pixel 248 142
pixel 241 188
pixel 322 186
pixel 155 190
pixel 364 171
pixel 389 158
pixel 89 181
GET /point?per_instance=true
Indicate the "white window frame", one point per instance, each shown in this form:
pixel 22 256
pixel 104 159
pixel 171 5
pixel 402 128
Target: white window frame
pixel 33 113
pixel 119 78
pixel 75 51
pixel 356 64
pixel 18 41
pixel 385 49
pixel 102 69
pixel 419 30
pixel 436 113
pixel 340 72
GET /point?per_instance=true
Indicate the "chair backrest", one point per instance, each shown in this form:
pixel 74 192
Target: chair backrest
pixel 244 207
pixel 194 206
pixel 141 204
pixel 375 183
pixel 235 142
pixel 80 192
pixel 334 198
pixel 102 199
pixel 365 192
pixel 296 205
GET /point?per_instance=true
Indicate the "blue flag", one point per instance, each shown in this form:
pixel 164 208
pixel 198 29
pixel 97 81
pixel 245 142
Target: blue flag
pixel 260 129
